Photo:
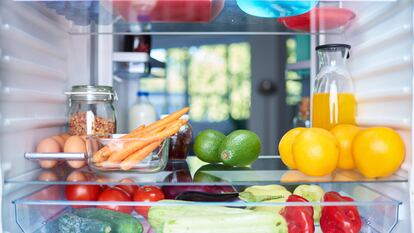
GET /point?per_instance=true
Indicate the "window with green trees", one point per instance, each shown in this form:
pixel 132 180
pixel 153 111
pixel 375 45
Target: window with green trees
pixel 214 80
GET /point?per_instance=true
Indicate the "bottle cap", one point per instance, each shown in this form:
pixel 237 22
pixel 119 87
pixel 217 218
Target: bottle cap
pixel 142 93
pixel 183 117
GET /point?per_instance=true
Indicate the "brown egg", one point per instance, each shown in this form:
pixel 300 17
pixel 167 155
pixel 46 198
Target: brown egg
pixel 48 145
pixel 65 136
pixel 48 176
pixel 48 163
pixel 76 163
pixel 76 176
pixel 75 144
pixel 59 140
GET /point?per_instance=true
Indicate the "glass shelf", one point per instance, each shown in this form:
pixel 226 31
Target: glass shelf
pixel 193 172
pixel 212 17
pixel 37 212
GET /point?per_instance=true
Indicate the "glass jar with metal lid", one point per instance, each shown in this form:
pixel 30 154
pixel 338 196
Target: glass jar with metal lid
pixel 91 110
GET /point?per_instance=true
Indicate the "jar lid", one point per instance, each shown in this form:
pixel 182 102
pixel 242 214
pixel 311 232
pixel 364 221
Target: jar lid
pixel 88 92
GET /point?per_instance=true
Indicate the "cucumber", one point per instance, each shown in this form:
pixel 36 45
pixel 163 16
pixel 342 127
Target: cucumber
pixel 119 222
pixel 257 222
pixel 70 223
pixel 158 215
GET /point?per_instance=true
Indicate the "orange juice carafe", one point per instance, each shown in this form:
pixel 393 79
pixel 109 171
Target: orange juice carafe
pixel 333 100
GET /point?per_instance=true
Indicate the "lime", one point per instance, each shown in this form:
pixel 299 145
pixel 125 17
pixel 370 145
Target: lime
pixel 202 175
pixel 206 145
pixel 240 148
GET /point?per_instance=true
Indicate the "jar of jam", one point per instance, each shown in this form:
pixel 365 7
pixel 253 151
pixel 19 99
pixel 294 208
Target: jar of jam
pixel 180 142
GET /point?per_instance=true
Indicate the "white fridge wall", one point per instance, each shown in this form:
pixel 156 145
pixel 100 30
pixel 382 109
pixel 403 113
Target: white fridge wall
pixel 39 61
pixel 382 70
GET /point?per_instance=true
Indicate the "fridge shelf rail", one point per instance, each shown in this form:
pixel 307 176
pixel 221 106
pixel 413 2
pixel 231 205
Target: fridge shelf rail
pixel 39 211
pixel 192 172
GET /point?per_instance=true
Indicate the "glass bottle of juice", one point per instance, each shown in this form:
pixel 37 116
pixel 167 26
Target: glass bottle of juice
pixel 333 100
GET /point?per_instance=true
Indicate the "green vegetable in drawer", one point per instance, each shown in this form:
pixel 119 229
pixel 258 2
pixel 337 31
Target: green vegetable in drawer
pixel 259 193
pixel 158 215
pixel 257 222
pixel 71 223
pixel 312 193
pixel 119 222
pixel 272 209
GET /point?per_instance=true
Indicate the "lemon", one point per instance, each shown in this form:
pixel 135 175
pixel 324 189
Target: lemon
pixel 315 152
pixel 285 147
pixel 344 135
pixel 378 151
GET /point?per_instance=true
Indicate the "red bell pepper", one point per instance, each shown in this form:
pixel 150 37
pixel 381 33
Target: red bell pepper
pixel 339 219
pixel 298 218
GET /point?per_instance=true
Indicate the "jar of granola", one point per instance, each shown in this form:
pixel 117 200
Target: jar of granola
pixel 91 110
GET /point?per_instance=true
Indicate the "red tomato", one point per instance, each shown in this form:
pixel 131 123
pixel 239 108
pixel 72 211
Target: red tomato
pixel 82 192
pixel 129 188
pixel 147 194
pixel 115 194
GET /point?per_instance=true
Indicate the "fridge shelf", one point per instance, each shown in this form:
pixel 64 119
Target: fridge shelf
pixel 213 16
pixel 193 172
pixel 39 211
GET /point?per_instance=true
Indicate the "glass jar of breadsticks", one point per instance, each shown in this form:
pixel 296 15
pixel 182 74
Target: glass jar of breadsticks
pixel 144 150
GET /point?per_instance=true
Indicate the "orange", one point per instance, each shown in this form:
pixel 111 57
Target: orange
pixel 315 152
pixel 344 135
pixel 378 151
pixel 285 147
pixel 294 176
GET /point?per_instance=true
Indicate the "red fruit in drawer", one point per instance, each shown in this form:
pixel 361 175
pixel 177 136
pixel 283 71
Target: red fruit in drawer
pixel 82 192
pixel 118 195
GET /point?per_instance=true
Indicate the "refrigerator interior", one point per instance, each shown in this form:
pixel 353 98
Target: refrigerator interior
pixel 42 54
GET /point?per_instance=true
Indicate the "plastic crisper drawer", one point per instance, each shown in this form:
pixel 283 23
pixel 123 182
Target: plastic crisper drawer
pixel 39 211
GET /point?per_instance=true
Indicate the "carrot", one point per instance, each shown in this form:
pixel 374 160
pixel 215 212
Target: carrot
pixel 140 128
pixel 104 152
pixel 170 118
pixel 136 145
pixel 128 149
pixel 140 155
pixel 106 164
pixel 168 131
